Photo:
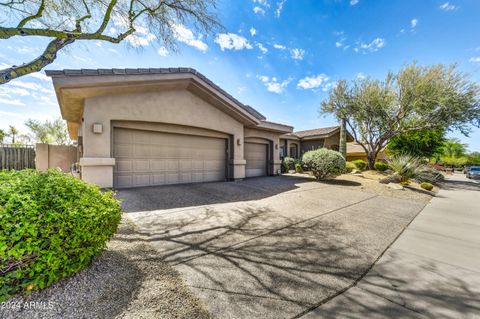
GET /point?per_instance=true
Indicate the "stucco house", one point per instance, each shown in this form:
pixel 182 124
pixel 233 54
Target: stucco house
pixel 142 127
pixel 297 143
pixel 356 152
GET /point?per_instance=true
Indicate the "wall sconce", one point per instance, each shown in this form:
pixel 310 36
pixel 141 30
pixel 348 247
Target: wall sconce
pixel 239 141
pixel 276 146
pixel 97 128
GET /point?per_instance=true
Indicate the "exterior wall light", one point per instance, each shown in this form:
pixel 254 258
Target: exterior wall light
pixel 97 128
pixel 239 141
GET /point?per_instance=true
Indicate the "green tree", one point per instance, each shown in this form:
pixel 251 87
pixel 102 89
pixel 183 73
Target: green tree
pixel 3 134
pixel 12 132
pixel 426 143
pixel 414 99
pixel 454 148
pixel 474 158
pixel 64 22
pixel 49 131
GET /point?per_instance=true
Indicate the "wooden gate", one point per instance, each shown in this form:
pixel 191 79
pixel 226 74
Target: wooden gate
pixel 17 156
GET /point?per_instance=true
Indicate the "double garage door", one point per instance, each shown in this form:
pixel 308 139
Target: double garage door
pixel 145 158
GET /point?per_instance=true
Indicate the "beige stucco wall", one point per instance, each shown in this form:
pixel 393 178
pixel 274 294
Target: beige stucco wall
pixel 253 133
pixel 332 140
pixel 55 156
pixel 178 107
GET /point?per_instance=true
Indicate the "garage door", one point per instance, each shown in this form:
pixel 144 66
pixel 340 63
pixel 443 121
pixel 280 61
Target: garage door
pixel 145 158
pixel 256 157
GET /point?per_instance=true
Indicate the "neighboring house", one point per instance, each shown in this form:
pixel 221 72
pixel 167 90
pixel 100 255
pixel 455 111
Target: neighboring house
pixel 297 143
pixel 141 127
pixel 355 152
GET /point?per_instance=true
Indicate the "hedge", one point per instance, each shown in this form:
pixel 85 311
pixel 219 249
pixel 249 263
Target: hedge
pixel 324 163
pixel 52 225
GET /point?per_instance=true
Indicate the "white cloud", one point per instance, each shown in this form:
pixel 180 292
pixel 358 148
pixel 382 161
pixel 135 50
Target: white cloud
pixel 273 85
pixel 475 59
pixel 185 35
pixel 262 2
pixel 141 38
pixel 338 44
pixel 313 82
pixel 447 6
pixel 232 41
pixel 279 46
pixel 6 90
pixel 279 9
pixel 373 46
pixel 11 102
pixel 253 31
pixel 162 51
pixel 40 76
pixel 258 10
pixel 262 48
pixel 26 85
pixel 361 76
pixel 413 23
pixel 297 54
pixel 353 2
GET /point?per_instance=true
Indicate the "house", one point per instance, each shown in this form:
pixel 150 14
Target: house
pixel 297 143
pixel 142 127
pixel 356 152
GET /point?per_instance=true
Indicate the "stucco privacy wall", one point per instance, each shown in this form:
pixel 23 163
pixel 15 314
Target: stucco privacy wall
pixel 55 156
pixel 179 107
pixel 254 133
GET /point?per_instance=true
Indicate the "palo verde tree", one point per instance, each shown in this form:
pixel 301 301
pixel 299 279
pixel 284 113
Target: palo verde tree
pixel 416 98
pixel 65 21
pixel 425 143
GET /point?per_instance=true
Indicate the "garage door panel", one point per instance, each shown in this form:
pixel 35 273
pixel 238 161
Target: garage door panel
pixel 256 157
pixel 153 158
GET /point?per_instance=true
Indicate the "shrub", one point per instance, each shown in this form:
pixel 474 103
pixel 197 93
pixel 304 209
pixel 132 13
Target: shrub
pixel 324 163
pixel 284 167
pixel 360 164
pixel 427 186
pixel 411 167
pixel 298 168
pixel 52 225
pixel 380 166
pixel 350 166
pixel 289 162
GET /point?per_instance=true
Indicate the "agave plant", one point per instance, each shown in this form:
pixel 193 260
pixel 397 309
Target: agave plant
pixel 408 167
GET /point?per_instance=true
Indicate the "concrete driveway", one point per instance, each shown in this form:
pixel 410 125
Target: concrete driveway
pixel 272 247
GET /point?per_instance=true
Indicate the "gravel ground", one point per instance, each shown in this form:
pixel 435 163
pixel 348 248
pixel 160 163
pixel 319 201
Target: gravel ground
pixel 129 280
pixel 368 181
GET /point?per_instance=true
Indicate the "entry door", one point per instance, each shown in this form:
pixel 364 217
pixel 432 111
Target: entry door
pixel 145 158
pixel 256 156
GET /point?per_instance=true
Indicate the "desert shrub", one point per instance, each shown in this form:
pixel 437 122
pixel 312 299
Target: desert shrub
pixel 410 167
pixel 349 166
pixel 52 225
pixel 298 168
pixel 289 162
pixel 324 163
pixel 360 164
pixel 380 166
pixel 284 167
pixel 427 186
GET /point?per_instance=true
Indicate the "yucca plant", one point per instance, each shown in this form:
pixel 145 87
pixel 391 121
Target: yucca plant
pixel 408 167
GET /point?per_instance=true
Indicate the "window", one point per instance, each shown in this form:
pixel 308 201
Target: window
pixel 293 151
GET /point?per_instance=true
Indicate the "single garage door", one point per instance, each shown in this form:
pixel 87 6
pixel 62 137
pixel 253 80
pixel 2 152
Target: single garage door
pixel 256 157
pixel 145 158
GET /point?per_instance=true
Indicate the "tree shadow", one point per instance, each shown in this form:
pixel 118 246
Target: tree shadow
pixel 187 195
pixel 341 182
pixel 460 185
pixel 258 262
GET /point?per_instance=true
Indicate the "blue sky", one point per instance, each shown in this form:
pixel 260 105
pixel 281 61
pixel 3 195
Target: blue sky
pixel 280 56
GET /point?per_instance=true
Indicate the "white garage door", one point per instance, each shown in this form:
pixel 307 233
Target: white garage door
pixel 145 158
pixel 256 157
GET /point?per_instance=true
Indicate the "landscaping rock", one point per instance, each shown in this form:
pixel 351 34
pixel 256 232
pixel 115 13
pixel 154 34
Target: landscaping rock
pixel 395 186
pixel 390 179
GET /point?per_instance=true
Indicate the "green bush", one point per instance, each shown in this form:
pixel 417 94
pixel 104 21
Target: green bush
pixel 427 186
pixel 411 167
pixel 380 166
pixel 360 164
pixel 52 225
pixel 289 162
pixel 324 163
pixel 350 166
pixel 284 167
pixel 298 168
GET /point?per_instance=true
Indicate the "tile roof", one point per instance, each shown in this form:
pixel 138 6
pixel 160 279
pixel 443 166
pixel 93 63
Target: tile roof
pixel 143 71
pixel 323 131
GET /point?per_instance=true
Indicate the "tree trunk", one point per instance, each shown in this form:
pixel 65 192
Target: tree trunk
pixel 371 156
pixel 343 138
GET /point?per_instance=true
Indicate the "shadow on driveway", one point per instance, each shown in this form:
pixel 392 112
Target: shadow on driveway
pixel 187 195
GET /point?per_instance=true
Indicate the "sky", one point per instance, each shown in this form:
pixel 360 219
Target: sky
pixel 279 56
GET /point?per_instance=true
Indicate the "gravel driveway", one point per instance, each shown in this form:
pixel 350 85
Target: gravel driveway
pixel 269 247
